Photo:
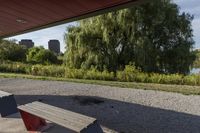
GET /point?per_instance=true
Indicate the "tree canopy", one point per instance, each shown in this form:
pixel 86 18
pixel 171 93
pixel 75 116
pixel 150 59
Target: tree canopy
pixel 155 37
pixel 9 50
pixel 41 55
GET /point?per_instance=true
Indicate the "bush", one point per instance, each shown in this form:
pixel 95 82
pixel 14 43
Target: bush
pixel 39 55
pixel 89 74
pixel 74 73
pixel 52 70
pixel 14 67
pixel 97 75
pixel 191 80
pixel 131 74
pixel 165 78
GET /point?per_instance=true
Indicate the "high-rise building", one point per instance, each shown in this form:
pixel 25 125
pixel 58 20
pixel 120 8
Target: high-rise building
pixel 54 46
pixel 26 42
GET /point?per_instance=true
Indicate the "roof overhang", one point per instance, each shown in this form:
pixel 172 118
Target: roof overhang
pixel 22 16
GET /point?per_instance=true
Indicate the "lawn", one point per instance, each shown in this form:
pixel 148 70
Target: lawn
pixel 183 89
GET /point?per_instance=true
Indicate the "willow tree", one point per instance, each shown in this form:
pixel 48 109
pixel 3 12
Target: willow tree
pixel 155 37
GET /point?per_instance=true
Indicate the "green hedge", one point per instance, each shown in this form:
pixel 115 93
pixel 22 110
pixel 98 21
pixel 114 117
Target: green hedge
pixel 14 67
pixel 129 74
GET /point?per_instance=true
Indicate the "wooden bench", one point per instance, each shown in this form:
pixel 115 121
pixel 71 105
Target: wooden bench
pixel 7 104
pixel 34 116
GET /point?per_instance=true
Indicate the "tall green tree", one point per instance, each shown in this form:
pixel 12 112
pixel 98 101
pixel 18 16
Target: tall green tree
pixel 9 50
pixel 155 37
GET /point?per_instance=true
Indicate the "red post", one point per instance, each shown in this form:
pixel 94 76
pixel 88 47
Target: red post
pixel 32 122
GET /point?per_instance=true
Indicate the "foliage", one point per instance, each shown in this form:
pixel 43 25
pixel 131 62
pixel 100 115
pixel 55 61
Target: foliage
pixel 14 67
pixel 39 55
pixel 9 50
pixel 196 63
pixel 155 36
pixel 97 75
pixel 51 70
pixel 191 80
pixel 89 74
pixel 60 58
pixel 129 74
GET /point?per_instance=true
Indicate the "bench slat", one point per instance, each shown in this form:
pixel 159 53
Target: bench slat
pixel 73 118
pixel 68 119
pixel 67 116
pixel 57 110
pixel 61 121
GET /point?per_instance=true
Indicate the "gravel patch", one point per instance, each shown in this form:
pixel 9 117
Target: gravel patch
pixel 121 109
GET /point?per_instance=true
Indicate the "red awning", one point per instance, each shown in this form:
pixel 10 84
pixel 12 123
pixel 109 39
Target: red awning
pixel 20 16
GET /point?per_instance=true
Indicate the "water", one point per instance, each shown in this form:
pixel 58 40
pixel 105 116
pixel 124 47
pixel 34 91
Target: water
pixel 195 71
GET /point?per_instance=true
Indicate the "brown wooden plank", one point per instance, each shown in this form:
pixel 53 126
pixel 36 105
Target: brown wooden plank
pixel 60 110
pixel 62 122
pixel 70 116
pixel 67 116
pixel 45 13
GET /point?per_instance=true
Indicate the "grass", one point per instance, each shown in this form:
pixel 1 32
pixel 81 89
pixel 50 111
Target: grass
pixel 183 89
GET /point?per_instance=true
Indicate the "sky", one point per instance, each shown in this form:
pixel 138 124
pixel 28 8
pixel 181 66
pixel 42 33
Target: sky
pixel 41 37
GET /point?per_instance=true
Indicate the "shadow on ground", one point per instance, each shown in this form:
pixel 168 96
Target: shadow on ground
pixel 121 116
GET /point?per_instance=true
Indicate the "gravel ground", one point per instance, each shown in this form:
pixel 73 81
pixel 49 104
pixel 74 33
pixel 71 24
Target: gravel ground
pixel 120 109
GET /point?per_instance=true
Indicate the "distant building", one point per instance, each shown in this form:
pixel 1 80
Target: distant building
pixel 54 46
pixel 26 42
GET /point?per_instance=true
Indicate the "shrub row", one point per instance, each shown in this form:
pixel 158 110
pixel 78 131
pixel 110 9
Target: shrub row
pixel 55 71
pixel 129 74
pixel 14 67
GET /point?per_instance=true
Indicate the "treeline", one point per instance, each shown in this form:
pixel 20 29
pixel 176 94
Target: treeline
pixel 36 62
pixel 11 51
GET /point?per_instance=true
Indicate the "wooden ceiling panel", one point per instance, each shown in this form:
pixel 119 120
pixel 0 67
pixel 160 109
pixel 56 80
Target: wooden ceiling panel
pixel 20 16
pixel 27 11
pixel 11 14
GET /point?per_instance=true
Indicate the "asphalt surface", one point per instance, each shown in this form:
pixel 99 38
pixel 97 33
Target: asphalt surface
pixel 120 109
